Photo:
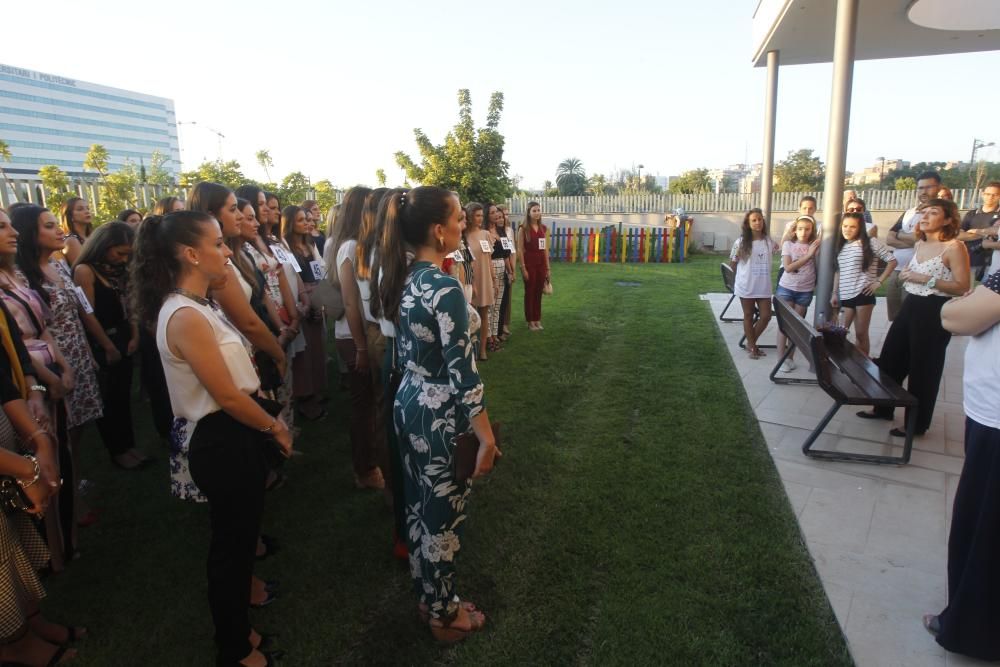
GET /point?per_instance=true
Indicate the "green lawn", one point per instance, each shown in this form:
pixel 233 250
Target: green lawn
pixel 635 519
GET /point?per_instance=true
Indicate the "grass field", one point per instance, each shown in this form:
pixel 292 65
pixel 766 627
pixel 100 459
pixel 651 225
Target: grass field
pixel 636 517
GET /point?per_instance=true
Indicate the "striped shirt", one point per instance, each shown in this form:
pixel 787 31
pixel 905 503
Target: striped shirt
pixel 852 279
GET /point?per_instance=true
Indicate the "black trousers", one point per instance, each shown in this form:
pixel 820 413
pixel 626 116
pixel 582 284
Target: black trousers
pixel 970 621
pixel 228 464
pixel 915 347
pixel 115 426
pixel 155 383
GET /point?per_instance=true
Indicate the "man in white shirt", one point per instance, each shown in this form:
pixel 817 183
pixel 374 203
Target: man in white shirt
pixel 901 238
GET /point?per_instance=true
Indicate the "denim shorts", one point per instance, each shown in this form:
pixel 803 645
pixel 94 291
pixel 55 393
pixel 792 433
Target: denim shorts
pixel 798 298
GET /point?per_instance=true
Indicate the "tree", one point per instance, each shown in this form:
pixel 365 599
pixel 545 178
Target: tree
pixel 906 183
pixel 380 177
pixel 694 181
pixel 598 186
pixel 571 179
pixel 97 159
pixel 265 161
pixel 5 156
pixel 549 191
pixel 294 188
pixel 55 181
pixel 326 196
pixel 226 173
pixel 650 185
pixel 156 174
pixel 470 161
pixel 800 171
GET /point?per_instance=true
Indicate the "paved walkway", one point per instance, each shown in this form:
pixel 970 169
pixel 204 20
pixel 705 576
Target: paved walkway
pixel 877 534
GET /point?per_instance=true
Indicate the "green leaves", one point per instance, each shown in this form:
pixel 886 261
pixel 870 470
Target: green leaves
pixel 469 161
pixel 801 171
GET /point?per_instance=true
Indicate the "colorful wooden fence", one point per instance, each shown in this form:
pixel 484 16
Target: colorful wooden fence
pixel 612 244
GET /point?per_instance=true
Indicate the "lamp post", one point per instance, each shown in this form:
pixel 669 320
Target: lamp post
pixel 976 145
pixel 638 185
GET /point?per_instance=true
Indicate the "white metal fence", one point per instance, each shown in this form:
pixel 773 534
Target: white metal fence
pixel 876 200
pixel 32 191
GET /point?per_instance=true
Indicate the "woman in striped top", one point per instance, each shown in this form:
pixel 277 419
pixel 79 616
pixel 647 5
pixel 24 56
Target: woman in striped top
pixel 857 278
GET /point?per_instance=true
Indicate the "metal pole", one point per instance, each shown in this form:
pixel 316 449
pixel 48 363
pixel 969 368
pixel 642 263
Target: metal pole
pixel 836 148
pixel 770 105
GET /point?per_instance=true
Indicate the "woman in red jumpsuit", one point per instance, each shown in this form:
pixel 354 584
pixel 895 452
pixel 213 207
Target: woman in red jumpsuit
pixel 533 249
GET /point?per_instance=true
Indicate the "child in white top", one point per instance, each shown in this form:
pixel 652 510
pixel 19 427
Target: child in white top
pixel 751 259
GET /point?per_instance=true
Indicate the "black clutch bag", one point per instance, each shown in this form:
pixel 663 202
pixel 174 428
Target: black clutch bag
pixel 13 499
pixel 466 449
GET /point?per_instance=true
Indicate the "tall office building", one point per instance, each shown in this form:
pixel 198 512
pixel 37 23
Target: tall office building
pixel 47 119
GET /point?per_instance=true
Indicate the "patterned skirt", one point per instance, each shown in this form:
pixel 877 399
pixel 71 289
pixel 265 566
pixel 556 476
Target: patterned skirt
pixel 22 554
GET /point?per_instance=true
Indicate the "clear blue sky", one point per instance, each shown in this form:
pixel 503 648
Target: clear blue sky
pixel 334 89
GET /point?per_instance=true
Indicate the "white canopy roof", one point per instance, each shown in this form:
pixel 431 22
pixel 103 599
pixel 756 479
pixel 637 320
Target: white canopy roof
pixel 802 30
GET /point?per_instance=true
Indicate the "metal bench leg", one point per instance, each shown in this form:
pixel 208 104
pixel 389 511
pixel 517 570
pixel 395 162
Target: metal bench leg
pixel 788 380
pixel 829 455
pixel 911 425
pixel 722 315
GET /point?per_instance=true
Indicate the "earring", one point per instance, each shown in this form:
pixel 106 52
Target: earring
pixel 196 262
pixel 441 242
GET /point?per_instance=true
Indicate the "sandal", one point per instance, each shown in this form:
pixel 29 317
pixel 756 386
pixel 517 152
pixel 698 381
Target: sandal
pixel 446 633
pixel 932 624
pixel 425 613
pixel 72 633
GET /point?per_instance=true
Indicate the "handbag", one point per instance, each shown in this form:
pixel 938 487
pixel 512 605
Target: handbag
pixel 13 499
pixel 466 450
pixel 328 295
pixel 547 288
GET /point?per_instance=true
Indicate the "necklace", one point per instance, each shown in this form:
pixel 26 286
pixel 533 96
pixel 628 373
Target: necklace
pixel 200 300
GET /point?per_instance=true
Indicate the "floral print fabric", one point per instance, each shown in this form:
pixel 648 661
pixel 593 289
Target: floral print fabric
pixel 440 392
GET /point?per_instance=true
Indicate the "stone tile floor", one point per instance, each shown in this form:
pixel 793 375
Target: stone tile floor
pixel 877 534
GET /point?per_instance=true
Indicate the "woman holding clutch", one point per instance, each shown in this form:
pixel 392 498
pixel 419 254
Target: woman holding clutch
pixel 440 396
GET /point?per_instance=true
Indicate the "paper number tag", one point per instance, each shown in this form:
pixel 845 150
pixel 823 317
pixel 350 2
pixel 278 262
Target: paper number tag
pixel 506 244
pixel 81 296
pixel 318 270
pixel 485 245
pixel 285 257
pixel 541 243
pixel 457 256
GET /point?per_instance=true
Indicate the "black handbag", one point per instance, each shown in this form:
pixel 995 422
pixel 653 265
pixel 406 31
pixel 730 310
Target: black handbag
pixel 13 499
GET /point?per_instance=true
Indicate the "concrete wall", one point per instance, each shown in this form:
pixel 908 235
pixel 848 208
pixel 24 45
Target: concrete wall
pixel 718 229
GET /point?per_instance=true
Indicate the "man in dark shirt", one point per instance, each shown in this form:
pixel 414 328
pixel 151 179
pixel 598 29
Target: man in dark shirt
pixel 977 223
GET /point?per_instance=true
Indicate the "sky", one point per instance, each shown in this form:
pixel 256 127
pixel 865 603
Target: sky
pixel 334 89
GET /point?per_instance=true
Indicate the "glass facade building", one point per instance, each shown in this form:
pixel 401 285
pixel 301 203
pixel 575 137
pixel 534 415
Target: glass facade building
pixel 48 119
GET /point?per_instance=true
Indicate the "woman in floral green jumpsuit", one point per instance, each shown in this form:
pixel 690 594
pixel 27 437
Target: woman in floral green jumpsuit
pixel 440 396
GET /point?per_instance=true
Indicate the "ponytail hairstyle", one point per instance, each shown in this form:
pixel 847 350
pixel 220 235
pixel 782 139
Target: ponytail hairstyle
pixel 25 219
pixel 240 259
pixel 155 266
pixel 367 239
pixel 67 216
pixel 408 219
pixel 377 239
pixel 746 234
pixel 165 205
pixel 208 198
pixel 867 255
pixel 349 218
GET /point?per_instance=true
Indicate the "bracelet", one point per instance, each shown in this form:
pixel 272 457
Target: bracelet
pixel 37 472
pixel 270 427
pixel 38 387
pixel 32 436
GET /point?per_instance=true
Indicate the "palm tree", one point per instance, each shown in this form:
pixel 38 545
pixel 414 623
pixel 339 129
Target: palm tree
pixel 5 156
pixel 571 179
pixel 264 160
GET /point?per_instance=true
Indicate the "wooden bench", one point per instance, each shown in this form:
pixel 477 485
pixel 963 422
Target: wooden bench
pixel 729 282
pixel 848 377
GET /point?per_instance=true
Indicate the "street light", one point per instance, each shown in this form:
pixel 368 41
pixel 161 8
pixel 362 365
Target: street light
pixel 976 145
pixel 639 171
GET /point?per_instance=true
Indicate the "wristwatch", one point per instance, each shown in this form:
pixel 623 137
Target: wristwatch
pixel 931 283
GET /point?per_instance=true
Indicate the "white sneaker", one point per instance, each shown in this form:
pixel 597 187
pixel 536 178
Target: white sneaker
pixel 788 366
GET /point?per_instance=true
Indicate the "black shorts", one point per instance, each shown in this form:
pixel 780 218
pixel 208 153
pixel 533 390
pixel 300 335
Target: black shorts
pixel 860 300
